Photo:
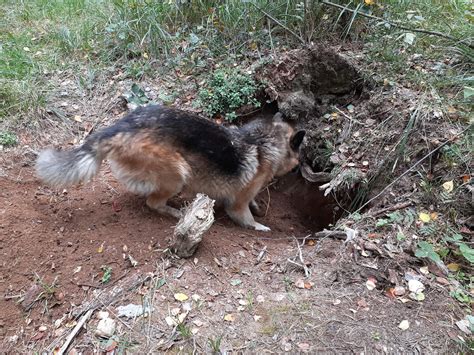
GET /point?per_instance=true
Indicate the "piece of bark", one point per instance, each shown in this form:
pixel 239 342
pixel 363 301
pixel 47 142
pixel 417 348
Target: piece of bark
pixel 197 219
pixel 108 296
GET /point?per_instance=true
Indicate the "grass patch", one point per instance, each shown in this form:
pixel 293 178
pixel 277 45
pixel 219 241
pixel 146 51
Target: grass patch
pixel 8 139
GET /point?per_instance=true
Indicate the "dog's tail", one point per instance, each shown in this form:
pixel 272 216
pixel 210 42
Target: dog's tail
pixel 63 168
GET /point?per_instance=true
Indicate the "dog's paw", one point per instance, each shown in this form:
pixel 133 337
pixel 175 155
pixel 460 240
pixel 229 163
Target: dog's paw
pixel 261 228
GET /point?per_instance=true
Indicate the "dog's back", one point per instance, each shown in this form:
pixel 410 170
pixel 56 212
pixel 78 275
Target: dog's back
pixel 158 152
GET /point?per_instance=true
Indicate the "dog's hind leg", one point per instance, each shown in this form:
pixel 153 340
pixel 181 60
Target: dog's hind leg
pixel 255 209
pixel 157 201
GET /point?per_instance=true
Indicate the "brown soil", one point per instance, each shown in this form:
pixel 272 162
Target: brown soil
pixel 50 234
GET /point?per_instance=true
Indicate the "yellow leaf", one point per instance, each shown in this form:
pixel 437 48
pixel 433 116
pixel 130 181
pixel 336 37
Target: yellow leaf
pixel 369 2
pixel 453 267
pixel 434 216
pixel 229 317
pixel 101 248
pixel 77 118
pixel 181 297
pixel 424 217
pixel 448 186
pixel 145 55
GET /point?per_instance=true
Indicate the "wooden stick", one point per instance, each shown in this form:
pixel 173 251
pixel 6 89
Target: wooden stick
pixel 420 30
pixel 395 207
pixel 331 234
pixel 74 332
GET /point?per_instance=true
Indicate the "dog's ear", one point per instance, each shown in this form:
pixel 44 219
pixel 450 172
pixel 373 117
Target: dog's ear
pixel 297 139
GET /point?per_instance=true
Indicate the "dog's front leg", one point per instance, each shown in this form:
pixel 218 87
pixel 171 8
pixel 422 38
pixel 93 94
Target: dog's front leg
pixel 239 208
pixel 240 213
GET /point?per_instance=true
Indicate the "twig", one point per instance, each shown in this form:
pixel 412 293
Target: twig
pixel 279 24
pixel 302 263
pixel 74 332
pixel 420 30
pixel 261 254
pixel 412 167
pixel 331 234
pixel 395 207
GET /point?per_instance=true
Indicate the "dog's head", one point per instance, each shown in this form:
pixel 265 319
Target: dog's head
pixel 279 141
pixel 290 154
pixel 291 145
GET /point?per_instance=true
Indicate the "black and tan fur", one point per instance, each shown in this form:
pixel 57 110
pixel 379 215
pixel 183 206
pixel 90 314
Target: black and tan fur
pixel 159 152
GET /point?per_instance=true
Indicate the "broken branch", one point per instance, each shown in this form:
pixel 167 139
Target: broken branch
pixel 74 332
pixel 188 233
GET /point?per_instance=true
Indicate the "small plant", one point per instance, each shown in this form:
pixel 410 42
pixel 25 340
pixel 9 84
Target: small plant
pixel 8 139
pixel 107 274
pixel 215 344
pixel 226 91
pixel 184 331
pixel 249 300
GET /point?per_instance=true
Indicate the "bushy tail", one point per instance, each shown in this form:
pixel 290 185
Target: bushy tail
pixel 64 168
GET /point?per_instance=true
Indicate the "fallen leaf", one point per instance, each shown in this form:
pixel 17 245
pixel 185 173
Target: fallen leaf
pixel 229 317
pixel 453 267
pixel 370 284
pixel 181 297
pixel 336 302
pixel 463 324
pixel 466 178
pixel 362 303
pixel 77 118
pixel 442 280
pixel 170 321
pixel 303 346
pixel 145 55
pixel 399 291
pixel 257 318
pixel 404 325
pixel 434 216
pixel 299 283
pixel 415 286
pixel 311 242
pixel 409 38
pixel 390 292
pixel 448 186
pixel 101 248
pixel 235 282
pixel 424 270
pixel 308 285
pixel 424 217
pixel 198 323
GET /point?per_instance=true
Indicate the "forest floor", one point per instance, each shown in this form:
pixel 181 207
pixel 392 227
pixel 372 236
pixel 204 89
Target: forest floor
pixel 389 130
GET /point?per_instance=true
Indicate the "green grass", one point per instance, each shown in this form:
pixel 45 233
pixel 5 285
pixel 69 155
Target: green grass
pixel 444 65
pixel 42 39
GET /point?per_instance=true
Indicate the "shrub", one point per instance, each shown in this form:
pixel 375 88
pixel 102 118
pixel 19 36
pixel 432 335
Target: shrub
pixel 226 91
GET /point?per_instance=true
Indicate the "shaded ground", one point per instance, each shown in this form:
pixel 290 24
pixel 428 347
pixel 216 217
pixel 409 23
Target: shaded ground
pixel 50 235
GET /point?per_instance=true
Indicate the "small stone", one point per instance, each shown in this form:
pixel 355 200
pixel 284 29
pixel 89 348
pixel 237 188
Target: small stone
pixel 404 325
pixel 415 286
pixel 399 291
pixel 105 328
pixel 43 328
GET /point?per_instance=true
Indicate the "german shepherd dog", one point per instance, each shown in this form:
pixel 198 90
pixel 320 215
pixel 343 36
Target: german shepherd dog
pixel 159 151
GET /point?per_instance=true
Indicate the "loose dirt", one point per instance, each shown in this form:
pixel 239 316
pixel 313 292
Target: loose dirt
pixel 68 238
